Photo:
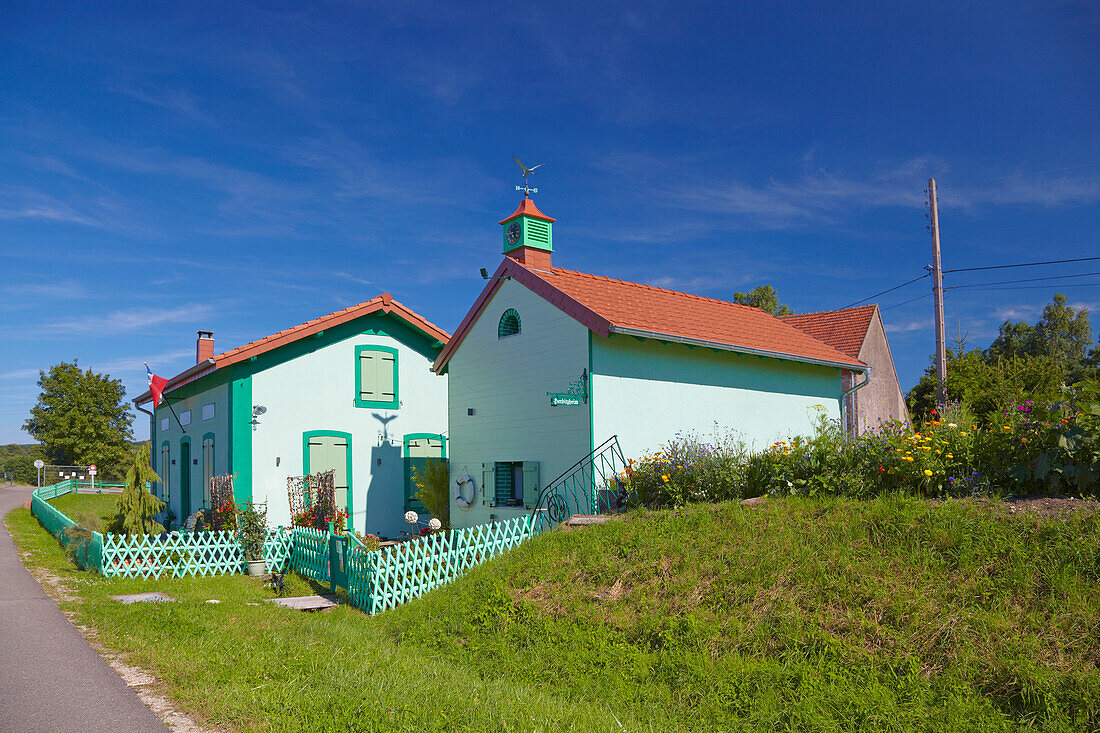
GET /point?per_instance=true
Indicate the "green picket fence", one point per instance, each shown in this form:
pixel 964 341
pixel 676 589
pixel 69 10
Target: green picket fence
pixel 383 579
pixel 310 553
pixel 88 554
pixel 187 554
pixel 376 580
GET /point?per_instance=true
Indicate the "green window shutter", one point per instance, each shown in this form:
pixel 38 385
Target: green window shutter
pixel 376 377
pixel 368 376
pixel 531 486
pixel 387 368
pixel 504 486
pixel 488 471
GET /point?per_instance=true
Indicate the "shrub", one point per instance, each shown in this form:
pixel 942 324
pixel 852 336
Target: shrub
pixel 1025 448
pixel 136 506
pixel 77 542
pixel 252 530
pixel 433 484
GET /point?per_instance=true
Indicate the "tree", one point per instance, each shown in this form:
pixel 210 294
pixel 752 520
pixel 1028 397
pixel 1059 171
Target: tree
pixel 1063 332
pixel 1014 339
pixel 136 507
pixel 764 297
pixel 81 418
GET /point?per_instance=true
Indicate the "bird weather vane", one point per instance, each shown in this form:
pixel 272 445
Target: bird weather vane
pixel 527 190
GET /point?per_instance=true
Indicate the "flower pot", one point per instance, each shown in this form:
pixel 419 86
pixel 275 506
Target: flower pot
pixel 255 568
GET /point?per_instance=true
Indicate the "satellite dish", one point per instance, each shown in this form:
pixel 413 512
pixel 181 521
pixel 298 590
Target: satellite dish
pixel 39 463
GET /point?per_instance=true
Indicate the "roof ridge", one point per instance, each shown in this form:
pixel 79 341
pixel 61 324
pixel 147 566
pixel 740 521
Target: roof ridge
pixel 833 310
pixel 655 287
pixel 298 326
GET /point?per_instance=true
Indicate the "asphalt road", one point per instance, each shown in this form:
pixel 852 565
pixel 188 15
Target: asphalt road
pixel 50 679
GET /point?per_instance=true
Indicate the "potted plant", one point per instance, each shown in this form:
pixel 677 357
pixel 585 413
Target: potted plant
pixel 252 533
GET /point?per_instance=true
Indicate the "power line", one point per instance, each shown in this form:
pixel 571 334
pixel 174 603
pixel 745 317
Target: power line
pixel 1036 287
pixel 1022 264
pixel 890 290
pixel 906 302
pixel 1023 280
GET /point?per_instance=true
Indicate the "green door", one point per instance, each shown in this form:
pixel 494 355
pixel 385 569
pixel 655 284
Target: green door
pixel 326 452
pixel 419 447
pixel 185 479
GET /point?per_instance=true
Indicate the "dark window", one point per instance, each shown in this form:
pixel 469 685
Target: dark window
pixel 509 324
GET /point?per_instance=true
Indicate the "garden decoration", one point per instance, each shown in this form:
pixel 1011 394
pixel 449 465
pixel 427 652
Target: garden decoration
pixel 313 500
pixel 221 490
pixel 252 534
pixel 464 486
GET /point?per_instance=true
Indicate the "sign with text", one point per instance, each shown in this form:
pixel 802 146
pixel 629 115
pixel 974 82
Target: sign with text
pixel 564 399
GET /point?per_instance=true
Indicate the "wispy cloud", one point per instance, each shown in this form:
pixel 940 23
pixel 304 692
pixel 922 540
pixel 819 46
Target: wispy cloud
pixel 20 374
pixel 920 324
pixel 177 101
pixel 127 321
pixel 820 195
pixel 17 202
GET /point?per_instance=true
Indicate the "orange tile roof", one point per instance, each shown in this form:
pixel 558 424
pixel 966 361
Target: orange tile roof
pixel 606 305
pixel 527 207
pixel 383 303
pixel 844 329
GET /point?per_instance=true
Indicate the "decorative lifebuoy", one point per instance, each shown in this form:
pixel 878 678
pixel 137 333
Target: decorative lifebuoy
pixel 463 484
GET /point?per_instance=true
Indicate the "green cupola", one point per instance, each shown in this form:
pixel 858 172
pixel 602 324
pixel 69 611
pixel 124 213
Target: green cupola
pixel 528 235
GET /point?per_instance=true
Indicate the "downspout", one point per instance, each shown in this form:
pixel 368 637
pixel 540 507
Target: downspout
pixel 847 393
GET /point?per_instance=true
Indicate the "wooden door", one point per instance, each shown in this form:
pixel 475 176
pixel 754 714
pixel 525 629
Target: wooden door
pixel 330 452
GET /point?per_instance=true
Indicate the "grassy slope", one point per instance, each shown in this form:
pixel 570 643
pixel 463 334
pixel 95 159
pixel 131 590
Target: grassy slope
pixel 93 511
pixel 882 615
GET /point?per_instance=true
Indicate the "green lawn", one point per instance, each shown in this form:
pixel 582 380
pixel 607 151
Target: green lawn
pixel 93 511
pixel 890 615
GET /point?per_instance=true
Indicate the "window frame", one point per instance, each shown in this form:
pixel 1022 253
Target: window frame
pixel 383 404
pixel 213 411
pixel 185 417
pixel 500 324
pixel 529 494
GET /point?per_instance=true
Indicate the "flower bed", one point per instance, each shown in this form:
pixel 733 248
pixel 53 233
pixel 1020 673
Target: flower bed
pixel 1026 449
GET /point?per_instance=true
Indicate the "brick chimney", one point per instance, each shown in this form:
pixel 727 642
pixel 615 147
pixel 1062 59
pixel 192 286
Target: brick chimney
pixel 204 347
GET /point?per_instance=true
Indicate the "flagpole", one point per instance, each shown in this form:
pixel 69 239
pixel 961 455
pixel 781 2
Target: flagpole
pixel 163 399
pixel 175 415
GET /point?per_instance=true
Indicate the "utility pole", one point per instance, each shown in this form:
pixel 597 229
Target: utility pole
pixel 937 295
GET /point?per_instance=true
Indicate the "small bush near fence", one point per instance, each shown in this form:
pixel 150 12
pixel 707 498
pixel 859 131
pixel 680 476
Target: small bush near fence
pixel 1026 449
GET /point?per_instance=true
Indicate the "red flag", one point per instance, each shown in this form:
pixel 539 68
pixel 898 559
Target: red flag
pixel 156 386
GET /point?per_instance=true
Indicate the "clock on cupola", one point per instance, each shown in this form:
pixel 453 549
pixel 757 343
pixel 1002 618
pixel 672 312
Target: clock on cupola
pixel 528 231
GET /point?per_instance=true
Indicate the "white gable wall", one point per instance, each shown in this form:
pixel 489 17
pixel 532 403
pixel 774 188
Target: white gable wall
pixel 505 381
pixel 316 391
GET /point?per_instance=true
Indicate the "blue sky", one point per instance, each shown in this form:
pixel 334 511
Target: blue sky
pixel 242 168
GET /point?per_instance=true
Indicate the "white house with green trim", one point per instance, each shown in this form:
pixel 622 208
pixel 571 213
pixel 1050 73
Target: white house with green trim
pixel 549 363
pixel 352 391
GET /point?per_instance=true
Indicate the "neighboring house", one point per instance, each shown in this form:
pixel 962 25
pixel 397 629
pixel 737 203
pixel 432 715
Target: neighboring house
pixel 549 363
pixel 859 333
pixel 351 391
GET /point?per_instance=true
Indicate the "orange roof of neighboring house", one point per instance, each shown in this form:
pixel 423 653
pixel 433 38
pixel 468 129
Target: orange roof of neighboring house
pixel 844 329
pixel 383 303
pixel 527 206
pixel 606 305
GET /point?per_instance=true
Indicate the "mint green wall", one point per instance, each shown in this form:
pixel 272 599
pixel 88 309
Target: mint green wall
pixel 315 390
pixel 505 381
pixel 645 391
pixel 192 397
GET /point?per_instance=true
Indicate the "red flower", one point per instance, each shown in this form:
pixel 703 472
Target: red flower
pixel 881 468
pixel 935 413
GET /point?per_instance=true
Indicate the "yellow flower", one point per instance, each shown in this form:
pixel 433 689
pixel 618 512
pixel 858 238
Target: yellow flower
pixel 963 434
pixel 949 456
pixel 1007 427
pixel 908 458
pixel 952 425
pixel 664 477
pixel 939 453
pixel 927 472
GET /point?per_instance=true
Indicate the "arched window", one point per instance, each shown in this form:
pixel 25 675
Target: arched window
pixel 509 324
